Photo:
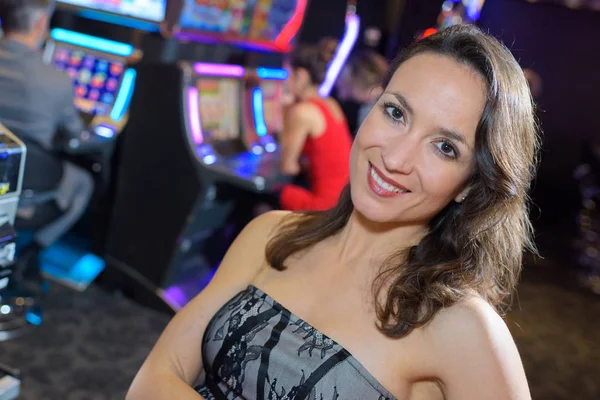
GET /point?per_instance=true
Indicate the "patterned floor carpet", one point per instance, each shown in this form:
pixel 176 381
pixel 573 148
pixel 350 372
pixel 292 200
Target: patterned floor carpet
pixel 89 347
pixel 91 344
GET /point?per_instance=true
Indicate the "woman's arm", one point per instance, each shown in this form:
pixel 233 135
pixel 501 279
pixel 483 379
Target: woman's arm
pixel 477 356
pixel 296 127
pixel 175 362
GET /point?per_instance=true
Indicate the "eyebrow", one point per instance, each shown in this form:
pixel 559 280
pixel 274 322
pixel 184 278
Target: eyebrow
pixel 450 134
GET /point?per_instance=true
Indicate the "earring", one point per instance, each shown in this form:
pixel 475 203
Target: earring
pixel 463 199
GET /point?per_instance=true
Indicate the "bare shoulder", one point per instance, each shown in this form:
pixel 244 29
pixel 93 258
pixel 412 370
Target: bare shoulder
pixel 474 318
pixel 477 356
pixel 257 233
pixel 265 226
pixel 303 111
pixel 469 325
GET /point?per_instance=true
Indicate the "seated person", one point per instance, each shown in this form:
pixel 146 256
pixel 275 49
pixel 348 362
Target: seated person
pixel 362 81
pixel 315 129
pixel 37 104
pixel 396 292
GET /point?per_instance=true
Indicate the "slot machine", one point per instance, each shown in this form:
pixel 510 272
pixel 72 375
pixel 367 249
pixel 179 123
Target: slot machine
pixel 18 313
pixel 209 131
pixel 103 84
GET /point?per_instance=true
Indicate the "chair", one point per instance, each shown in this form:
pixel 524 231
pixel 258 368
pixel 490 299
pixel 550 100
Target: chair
pixel 43 173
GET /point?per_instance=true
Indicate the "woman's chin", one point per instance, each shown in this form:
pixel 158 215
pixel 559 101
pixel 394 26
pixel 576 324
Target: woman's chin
pixel 371 209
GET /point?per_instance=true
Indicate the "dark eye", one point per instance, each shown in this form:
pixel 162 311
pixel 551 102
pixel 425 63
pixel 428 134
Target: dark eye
pixel 394 113
pixel 447 149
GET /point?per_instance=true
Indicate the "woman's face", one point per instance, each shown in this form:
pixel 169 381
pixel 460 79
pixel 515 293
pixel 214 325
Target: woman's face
pixel 297 81
pixel 415 150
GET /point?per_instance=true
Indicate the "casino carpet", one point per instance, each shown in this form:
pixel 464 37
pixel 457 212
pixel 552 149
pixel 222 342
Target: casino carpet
pixel 92 343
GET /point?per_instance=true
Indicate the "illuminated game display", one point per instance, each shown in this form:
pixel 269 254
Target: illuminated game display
pixel 270 17
pixel 103 84
pixel 219 123
pixel 149 10
pixel 272 104
pixel 221 17
pixel 264 24
pixel 96 80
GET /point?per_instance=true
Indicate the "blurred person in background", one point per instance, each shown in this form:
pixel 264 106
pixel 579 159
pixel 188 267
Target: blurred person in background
pixel 36 103
pixel 535 82
pixel 587 244
pixel 362 81
pixel 316 139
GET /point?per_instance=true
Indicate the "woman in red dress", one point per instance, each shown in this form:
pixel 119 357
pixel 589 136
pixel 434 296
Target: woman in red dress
pixel 315 137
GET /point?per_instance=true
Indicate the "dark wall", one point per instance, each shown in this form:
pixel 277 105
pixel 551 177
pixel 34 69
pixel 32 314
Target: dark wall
pixel 323 18
pixel 417 15
pixel 327 18
pixel 372 13
pixel 563 46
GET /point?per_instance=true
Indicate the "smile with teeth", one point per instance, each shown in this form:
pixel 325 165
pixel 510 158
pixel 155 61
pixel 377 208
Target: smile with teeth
pixel 384 184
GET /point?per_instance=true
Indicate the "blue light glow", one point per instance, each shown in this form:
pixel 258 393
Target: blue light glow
pixel 474 9
pixel 341 54
pixel 256 149
pixel 272 73
pixel 270 147
pixel 178 295
pixel 68 262
pixel 33 318
pixel 104 131
pixel 118 20
pixel 87 268
pixel 175 297
pixel 124 96
pixel 91 42
pixel 259 116
pixel 209 159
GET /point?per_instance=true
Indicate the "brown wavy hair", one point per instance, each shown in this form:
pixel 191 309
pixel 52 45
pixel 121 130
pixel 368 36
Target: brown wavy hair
pixel 314 59
pixel 473 247
pixel 367 69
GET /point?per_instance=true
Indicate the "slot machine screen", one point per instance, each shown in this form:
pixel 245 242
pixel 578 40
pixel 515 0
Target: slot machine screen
pixel 248 20
pixel 272 101
pixel 219 102
pixel 270 17
pixel 222 17
pixel 150 10
pixel 96 79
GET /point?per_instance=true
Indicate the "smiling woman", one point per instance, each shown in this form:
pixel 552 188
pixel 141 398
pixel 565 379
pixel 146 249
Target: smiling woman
pixel 449 152
pixel 423 136
pixel 395 292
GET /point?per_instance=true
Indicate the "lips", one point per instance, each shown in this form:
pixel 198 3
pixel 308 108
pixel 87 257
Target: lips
pixel 382 185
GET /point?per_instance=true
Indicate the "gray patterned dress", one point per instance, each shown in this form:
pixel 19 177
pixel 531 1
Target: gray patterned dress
pixel 255 349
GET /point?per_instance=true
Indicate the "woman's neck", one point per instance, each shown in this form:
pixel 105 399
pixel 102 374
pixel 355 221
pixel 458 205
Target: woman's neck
pixel 28 39
pixel 364 240
pixel 310 92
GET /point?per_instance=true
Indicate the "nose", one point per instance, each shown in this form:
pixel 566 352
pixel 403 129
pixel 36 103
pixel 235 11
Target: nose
pixel 399 154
